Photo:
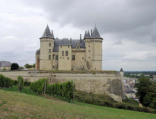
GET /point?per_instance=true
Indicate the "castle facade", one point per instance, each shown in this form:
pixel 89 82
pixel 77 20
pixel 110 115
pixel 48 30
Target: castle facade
pixel 70 54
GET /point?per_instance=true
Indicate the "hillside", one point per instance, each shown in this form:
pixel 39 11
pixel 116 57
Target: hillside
pixel 14 105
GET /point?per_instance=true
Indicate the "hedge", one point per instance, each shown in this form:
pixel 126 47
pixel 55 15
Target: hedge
pixel 39 86
pixel 5 82
pixel 65 90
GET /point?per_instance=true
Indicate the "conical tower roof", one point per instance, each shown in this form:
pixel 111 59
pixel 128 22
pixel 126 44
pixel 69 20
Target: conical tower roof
pixel 47 33
pixel 121 70
pixel 95 33
pixel 87 34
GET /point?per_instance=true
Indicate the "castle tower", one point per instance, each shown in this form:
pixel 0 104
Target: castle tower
pixel 46 50
pixel 93 42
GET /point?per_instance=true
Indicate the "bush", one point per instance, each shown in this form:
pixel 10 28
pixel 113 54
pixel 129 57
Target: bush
pixel 39 86
pixel 20 83
pixel 131 101
pixel 27 83
pixel 5 82
pixel 64 90
pixel 91 98
pixel 105 100
pixel 15 82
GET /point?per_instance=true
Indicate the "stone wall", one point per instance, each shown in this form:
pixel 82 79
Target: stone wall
pixel 64 60
pixel 94 54
pixel 99 83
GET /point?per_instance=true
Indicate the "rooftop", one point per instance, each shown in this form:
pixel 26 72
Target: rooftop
pixel 5 64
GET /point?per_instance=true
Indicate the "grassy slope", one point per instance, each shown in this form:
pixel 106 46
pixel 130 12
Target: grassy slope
pixel 14 105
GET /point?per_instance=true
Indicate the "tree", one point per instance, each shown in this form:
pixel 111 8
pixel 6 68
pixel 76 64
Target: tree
pixel 20 83
pixel 14 66
pixel 152 93
pixel 146 91
pixel 28 66
pixel 33 65
pixel 142 87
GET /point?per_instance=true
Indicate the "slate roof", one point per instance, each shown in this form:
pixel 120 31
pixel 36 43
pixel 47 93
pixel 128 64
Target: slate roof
pixel 5 64
pixel 72 43
pixel 121 70
pixel 95 33
pixel 87 35
pixel 47 33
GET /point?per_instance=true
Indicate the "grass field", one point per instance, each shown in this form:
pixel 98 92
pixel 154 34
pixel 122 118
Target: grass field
pixel 15 105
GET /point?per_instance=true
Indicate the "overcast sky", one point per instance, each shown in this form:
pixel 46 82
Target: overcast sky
pixel 127 26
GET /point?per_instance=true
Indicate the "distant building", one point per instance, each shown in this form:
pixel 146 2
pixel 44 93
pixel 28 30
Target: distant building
pixel 5 65
pixel 69 54
pixel 129 87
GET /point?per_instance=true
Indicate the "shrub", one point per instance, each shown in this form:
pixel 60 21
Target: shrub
pixel 39 86
pixel 105 100
pixel 91 98
pixel 5 82
pixel 27 83
pixel 20 83
pixel 15 82
pixel 64 90
pixel 130 101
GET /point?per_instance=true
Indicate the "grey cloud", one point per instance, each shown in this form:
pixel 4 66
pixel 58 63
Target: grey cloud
pixel 127 26
pixel 123 18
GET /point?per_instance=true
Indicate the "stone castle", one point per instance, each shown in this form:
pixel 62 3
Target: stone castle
pixel 70 54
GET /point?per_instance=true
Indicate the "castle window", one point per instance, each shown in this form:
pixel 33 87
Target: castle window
pixel 49 44
pixel 66 53
pixel 53 56
pixel 62 53
pixel 56 57
pixel 49 50
pixel 73 57
pixel 49 57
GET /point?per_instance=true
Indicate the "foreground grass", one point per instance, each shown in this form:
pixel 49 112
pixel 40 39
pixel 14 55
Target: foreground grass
pixel 15 105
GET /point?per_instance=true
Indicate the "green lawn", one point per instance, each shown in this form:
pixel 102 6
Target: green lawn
pixel 15 105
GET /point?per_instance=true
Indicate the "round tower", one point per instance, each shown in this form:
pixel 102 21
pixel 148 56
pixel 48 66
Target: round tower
pixel 93 43
pixel 46 49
